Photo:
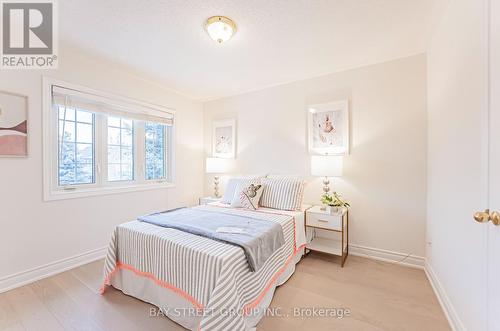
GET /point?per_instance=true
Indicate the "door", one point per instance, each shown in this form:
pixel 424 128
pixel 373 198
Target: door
pixel 493 282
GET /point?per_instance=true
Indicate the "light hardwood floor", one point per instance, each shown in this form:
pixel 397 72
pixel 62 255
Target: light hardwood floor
pixel 380 296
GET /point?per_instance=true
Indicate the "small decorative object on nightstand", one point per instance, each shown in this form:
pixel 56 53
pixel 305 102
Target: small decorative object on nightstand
pixel 334 203
pixel 206 200
pixel 318 219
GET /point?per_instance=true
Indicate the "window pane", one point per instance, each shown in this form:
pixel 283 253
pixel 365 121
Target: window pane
pixel 84 173
pixel 84 116
pixel 84 153
pixel 127 172
pixel 127 124
pixel 67 174
pixel 127 155
pixel 114 121
pixel 113 136
pixel 67 114
pixel 155 150
pixel 126 137
pixel 120 149
pixel 84 133
pixel 66 131
pixel 68 154
pixel 75 148
pixel 113 154
pixel 114 172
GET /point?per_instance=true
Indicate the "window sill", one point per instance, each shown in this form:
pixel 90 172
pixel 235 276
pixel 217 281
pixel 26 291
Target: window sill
pixel 52 195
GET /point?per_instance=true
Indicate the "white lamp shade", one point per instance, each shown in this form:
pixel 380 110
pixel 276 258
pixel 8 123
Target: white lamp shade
pixel 329 166
pixel 216 165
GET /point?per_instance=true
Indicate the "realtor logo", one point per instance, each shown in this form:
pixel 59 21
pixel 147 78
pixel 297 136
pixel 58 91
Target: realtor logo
pixel 28 34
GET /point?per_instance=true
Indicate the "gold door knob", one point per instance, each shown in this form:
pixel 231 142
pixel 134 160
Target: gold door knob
pixel 495 218
pixel 482 216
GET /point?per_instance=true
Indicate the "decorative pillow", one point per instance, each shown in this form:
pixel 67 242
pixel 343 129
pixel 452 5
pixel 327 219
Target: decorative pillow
pixel 242 186
pixel 250 196
pixel 282 193
pixel 235 186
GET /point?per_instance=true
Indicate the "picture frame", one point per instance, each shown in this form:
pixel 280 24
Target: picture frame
pixel 13 125
pixel 328 128
pixel 224 139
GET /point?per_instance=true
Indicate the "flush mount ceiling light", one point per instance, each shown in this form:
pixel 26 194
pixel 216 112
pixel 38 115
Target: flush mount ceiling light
pixel 220 28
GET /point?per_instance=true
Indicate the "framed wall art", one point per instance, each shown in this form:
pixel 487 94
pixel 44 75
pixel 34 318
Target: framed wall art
pixel 224 139
pixel 328 128
pixel 13 125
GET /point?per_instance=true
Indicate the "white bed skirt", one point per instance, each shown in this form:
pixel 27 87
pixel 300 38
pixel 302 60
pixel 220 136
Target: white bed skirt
pixel 181 310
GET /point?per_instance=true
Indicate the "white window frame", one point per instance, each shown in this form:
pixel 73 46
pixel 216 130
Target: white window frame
pixel 52 190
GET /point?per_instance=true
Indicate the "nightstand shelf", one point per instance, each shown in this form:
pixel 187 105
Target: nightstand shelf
pixel 336 224
pixel 325 245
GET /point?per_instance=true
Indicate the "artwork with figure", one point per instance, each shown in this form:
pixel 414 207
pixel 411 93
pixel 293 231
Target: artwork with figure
pixel 224 143
pixel 327 131
pixel 329 128
pixel 13 125
pixel 224 139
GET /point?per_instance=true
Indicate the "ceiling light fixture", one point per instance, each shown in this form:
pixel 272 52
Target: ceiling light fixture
pixel 220 28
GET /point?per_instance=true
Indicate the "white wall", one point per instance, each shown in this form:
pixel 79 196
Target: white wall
pixel 385 174
pixel 33 232
pixel 456 163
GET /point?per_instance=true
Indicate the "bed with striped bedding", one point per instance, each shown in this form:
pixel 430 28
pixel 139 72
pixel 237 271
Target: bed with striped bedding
pixel 199 283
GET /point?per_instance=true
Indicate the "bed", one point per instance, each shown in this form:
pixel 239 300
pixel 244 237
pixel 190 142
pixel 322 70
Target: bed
pixel 200 283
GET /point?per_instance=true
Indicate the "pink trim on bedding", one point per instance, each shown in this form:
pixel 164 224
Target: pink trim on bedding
pixel 161 283
pixel 273 280
pixel 248 307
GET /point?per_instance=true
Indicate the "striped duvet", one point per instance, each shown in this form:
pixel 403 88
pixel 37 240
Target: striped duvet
pixel 213 276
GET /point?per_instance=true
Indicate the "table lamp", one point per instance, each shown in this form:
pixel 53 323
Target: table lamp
pixel 216 166
pixel 326 166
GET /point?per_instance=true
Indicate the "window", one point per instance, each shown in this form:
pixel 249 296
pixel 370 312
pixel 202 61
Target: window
pixel 76 146
pixel 155 150
pixel 120 149
pixel 103 144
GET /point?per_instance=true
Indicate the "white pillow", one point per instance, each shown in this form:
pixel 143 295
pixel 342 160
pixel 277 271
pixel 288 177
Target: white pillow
pixel 249 197
pixel 233 184
pixel 229 191
pixel 282 193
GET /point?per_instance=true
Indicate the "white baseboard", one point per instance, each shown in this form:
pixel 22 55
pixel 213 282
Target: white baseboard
pixel 450 312
pixel 32 275
pixel 388 256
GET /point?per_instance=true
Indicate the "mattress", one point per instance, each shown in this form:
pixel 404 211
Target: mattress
pixel 200 283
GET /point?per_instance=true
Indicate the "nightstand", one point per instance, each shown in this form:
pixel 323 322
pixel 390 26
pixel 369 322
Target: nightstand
pixel 205 200
pixel 336 223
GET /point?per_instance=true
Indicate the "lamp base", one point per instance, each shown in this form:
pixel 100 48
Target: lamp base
pixel 326 185
pixel 216 187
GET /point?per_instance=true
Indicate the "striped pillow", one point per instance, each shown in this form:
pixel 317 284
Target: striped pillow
pixel 282 193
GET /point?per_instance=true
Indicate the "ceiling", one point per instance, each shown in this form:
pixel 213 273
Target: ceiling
pixel 277 41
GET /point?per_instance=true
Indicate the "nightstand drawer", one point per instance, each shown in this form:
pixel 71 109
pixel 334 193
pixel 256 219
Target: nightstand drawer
pixel 331 222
